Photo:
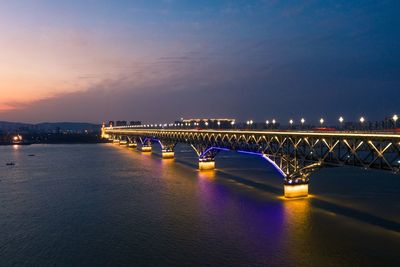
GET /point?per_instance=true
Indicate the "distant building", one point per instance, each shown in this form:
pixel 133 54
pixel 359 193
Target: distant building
pixel 135 123
pixel 121 123
pixel 111 124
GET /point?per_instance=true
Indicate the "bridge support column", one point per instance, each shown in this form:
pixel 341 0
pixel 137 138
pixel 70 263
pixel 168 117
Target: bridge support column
pixel 123 143
pixel 132 145
pixel 206 164
pixel 167 154
pixel 145 148
pixel 295 190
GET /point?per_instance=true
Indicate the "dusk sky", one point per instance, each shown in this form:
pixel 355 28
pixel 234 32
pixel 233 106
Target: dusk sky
pixel 156 61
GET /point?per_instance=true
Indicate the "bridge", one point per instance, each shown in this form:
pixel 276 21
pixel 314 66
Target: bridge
pixel 295 154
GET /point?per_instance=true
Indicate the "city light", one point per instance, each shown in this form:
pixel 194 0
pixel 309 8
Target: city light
pixel 321 121
pixel 362 119
pixel 302 121
pixel 267 122
pixel 273 121
pixel 291 121
pixel 341 119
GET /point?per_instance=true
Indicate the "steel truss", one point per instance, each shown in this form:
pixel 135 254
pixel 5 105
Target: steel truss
pixel 297 154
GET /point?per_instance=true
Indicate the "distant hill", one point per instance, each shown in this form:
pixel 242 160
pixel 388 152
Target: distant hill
pixel 49 126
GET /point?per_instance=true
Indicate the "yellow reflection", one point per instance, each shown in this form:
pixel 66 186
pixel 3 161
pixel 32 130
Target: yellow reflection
pixel 208 175
pixel 15 146
pixel 167 162
pixel 298 227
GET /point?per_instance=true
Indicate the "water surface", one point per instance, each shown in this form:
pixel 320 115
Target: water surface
pixel 73 205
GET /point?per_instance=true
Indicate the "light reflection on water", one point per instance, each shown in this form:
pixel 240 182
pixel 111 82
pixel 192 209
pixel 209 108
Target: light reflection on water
pixel 109 205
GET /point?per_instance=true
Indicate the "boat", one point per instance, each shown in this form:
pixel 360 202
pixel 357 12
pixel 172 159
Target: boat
pixel 10 163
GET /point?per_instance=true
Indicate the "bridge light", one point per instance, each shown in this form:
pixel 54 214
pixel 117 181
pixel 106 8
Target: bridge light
pixel 273 121
pixel 302 121
pixel 206 123
pixel 291 121
pixel 251 122
pixel 321 121
pixel 248 122
pixel 341 119
pixel 232 122
pixel 362 119
pixel 267 122
pixel 218 123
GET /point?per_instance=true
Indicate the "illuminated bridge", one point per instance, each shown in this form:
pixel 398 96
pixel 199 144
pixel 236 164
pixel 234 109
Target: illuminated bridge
pixel 295 154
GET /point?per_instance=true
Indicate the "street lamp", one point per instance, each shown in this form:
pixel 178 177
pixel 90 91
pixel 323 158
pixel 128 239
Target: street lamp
pixel 395 118
pixel 341 120
pixel 291 123
pixel 362 120
pixel 321 121
pixel 302 121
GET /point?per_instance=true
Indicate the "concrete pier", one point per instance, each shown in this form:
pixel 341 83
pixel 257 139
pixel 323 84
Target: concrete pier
pixel 145 149
pixel 206 165
pixel 123 143
pixel 167 154
pixel 295 190
pixel 132 145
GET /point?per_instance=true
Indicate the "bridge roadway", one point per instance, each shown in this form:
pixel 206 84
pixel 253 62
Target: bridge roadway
pixel 294 154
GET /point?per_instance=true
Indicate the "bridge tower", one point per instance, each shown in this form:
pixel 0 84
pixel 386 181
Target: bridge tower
pixel 104 135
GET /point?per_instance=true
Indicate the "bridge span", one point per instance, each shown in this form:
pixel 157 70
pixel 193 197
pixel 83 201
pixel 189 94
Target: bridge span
pixel 294 154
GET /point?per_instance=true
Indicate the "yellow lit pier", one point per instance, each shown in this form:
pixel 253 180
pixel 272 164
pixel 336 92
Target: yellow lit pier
pixel 206 165
pixel 295 191
pixel 145 149
pixel 166 154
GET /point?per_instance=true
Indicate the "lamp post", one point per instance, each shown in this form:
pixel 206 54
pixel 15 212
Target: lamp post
pixel 341 120
pixel 302 122
pixel 291 123
pixel 321 121
pixel 362 120
pixel 395 118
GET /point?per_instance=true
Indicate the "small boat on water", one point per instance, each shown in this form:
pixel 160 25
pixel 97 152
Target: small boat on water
pixel 10 163
pixel 31 155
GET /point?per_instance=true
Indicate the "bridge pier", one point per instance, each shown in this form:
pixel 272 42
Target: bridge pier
pixel 295 190
pixel 123 142
pixel 167 154
pixel 132 145
pixel 206 164
pixel 145 148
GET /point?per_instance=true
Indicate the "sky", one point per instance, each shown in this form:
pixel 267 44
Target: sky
pixel 158 61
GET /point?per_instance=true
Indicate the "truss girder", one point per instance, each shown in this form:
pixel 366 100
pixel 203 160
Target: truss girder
pixel 296 154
